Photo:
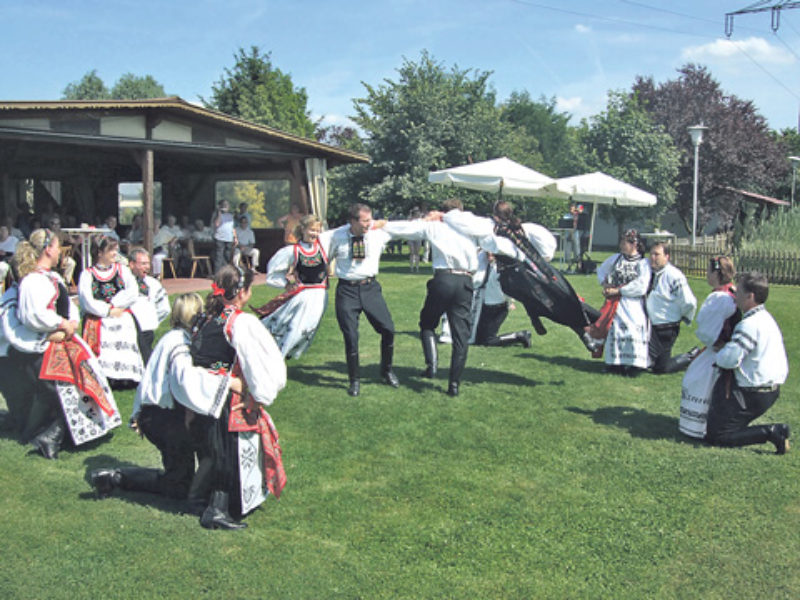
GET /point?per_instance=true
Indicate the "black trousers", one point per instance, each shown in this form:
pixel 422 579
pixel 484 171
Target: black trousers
pixel 351 301
pixel 662 338
pixel 732 409
pixel 223 254
pixel 492 317
pixel 144 339
pixel 451 294
pixel 44 405
pixel 166 430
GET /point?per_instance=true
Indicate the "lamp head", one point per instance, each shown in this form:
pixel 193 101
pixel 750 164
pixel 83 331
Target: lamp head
pixel 696 131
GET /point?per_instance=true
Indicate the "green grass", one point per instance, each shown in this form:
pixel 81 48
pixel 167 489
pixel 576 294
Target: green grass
pixel 543 479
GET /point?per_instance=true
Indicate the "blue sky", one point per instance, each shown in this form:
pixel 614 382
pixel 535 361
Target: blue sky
pixel 573 50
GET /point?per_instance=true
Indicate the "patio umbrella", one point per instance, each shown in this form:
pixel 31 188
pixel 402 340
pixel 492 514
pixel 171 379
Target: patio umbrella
pixel 599 188
pixel 499 175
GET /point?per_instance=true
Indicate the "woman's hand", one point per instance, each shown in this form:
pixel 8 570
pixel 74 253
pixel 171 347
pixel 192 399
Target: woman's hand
pixel 237 385
pixel 116 312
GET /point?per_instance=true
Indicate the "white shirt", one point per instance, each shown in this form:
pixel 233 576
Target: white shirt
pixel 482 228
pixel 670 300
pixel 224 233
pixel 638 268
pixel 122 299
pixel 36 309
pixel 246 237
pixel 375 241
pixel 487 277
pixel 9 245
pixel 153 308
pixel 13 332
pixel 756 350
pixel 202 236
pixel 261 361
pixel 450 249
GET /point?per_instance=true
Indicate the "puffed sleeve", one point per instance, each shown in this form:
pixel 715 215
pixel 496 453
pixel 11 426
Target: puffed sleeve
pixel 544 241
pixel 127 295
pixel 196 388
pixel 712 315
pixel 90 304
pixel 15 333
pixel 638 287
pixel 261 361
pixel 279 265
pixel 408 230
pixel 35 293
pixel 161 300
pixel 605 268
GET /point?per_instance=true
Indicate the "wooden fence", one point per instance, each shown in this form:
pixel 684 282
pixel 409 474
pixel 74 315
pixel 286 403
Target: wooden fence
pixel 779 267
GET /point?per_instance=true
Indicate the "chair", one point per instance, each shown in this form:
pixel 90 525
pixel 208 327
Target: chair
pixel 198 259
pixel 167 262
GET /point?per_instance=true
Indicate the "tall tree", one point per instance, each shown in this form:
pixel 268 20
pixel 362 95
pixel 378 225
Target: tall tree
pixel 89 87
pixel 257 91
pixel 133 87
pixel 737 150
pixel 624 142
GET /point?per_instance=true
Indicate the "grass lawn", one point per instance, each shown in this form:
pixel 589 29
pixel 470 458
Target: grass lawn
pixel 543 479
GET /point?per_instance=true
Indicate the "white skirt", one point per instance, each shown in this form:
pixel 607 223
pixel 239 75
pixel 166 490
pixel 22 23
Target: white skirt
pixel 629 337
pixel 295 324
pixel 698 384
pixel 119 355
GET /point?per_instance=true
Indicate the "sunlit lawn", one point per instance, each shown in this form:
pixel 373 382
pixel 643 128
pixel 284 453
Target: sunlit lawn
pixel 543 479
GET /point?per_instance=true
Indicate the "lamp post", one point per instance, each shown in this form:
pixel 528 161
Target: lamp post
pixel 795 160
pixel 696 131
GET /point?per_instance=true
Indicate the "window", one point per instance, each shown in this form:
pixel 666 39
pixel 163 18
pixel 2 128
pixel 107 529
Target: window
pixel 267 200
pixel 131 201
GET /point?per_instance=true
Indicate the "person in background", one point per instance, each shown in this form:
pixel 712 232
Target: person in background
pixel 289 222
pixel 67 262
pixel 243 212
pixel 754 366
pixel 111 223
pixel 151 305
pixel 246 244
pixel 669 301
pixel 224 235
pixel 8 246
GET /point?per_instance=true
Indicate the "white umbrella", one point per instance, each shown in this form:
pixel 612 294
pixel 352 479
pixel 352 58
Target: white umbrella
pixel 599 188
pixel 499 175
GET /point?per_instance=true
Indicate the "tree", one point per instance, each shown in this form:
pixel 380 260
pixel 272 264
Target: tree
pixel 90 87
pixel 250 192
pixel 255 90
pixel 624 142
pixel 737 151
pixel 429 118
pixel 133 87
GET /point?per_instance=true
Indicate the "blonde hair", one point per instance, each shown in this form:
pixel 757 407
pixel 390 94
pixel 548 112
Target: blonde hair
pixel 28 252
pixel 185 309
pixel 305 223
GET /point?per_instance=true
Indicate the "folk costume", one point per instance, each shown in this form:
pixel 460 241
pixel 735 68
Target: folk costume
pixel 455 260
pixel 150 307
pixel 525 274
pixel 754 366
pixel 670 301
pixel 239 453
pixel 627 341
pixel 70 390
pixel 357 263
pixel 293 318
pixel 171 386
pixel 715 321
pixel 113 339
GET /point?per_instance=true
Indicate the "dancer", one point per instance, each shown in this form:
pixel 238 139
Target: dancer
pixel 69 389
pixel 170 393
pixel 715 322
pixel 227 340
pixel 523 254
pixel 623 323
pixel 302 269
pixel 754 367
pixel 106 291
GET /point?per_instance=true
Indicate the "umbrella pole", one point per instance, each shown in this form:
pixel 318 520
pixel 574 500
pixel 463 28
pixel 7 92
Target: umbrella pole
pixel 591 227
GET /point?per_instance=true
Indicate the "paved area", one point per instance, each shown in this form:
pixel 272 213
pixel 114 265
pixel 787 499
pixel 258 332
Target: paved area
pixel 181 285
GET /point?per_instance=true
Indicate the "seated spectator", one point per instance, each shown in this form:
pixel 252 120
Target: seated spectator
pixel 111 223
pixel 68 263
pixel 135 235
pixel 246 244
pixel 8 246
pixel 201 232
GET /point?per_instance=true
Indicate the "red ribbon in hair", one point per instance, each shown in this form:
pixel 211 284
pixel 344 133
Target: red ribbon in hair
pixel 216 290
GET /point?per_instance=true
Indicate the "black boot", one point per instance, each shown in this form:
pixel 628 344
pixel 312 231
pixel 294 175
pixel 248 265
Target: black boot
pixel 139 479
pixel 352 372
pixel 452 388
pixel 677 363
pixel 216 515
pixel 387 355
pixel 104 481
pixel 431 353
pixel 779 435
pixel 518 337
pixel 49 441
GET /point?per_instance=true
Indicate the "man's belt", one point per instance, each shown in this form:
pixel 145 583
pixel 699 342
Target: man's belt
pixel 664 326
pixel 452 272
pixel 761 388
pixel 354 282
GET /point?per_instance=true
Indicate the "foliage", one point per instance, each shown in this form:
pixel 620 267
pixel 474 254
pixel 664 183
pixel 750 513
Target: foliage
pixel 250 192
pixel 778 233
pixel 257 91
pixel 429 118
pixel 89 87
pixel 737 150
pixel 133 87
pixel 624 142
pixel 543 479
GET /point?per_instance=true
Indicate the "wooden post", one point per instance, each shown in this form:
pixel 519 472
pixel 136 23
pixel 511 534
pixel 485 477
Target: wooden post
pixel 146 162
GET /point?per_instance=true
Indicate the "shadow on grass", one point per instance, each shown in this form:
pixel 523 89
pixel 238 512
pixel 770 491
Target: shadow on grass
pixel 638 422
pixel 104 461
pixel 586 365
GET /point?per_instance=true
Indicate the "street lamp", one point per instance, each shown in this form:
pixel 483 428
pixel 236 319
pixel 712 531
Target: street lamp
pixel 696 131
pixel 795 160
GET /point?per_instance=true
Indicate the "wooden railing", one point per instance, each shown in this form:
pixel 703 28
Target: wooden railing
pixel 779 267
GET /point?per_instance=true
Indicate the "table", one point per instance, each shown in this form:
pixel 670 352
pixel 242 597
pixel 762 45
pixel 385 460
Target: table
pixel 563 234
pixel 85 234
pixel 661 236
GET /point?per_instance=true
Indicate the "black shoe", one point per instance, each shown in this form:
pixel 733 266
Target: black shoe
pixel 452 389
pixel 389 378
pixel 355 388
pixel 779 435
pixel 692 354
pixel 49 441
pixel 429 372
pixel 104 481
pixel 216 515
pixel 590 343
pixel 525 338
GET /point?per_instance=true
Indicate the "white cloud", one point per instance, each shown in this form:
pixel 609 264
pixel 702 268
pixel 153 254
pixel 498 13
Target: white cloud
pixel 582 28
pixel 757 48
pixel 570 105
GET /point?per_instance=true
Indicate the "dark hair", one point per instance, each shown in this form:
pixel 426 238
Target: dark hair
pixel 354 212
pixel 231 280
pixel 754 283
pixel 632 236
pixel 723 267
pixel 452 204
pixel 504 212
pixel 135 252
pixel 664 246
pixel 104 243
